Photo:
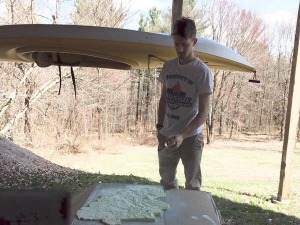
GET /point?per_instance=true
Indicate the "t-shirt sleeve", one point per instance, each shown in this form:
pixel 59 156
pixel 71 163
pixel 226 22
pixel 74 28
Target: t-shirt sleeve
pixel 204 81
pixel 162 75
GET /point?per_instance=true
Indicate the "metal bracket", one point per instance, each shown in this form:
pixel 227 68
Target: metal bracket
pixel 254 79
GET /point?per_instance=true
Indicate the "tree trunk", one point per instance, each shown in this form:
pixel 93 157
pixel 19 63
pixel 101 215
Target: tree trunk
pixel 99 127
pixel 85 123
pixel 27 123
pixel 138 101
pixel 208 141
pixel 235 115
pixel 32 100
pixel 147 100
pixel 208 127
pixel 14 93
pixel 270 117
pixel 221 124
pixel 214 103
pixel 261 113
pixel 283 110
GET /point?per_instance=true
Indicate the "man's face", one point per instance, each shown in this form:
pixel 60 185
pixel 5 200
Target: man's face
pixel 184 46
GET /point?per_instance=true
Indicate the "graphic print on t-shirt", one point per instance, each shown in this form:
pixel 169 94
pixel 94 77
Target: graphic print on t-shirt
pixel 176 98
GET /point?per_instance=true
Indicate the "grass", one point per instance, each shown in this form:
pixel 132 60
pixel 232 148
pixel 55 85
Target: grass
pixel 73 182
pixel 241 176
pixel 243 182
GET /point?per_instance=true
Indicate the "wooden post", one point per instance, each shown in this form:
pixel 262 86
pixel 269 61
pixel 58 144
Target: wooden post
pixel 176 11
pixel 291 125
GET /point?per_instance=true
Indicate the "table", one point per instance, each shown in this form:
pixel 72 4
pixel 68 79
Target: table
pixel 186 207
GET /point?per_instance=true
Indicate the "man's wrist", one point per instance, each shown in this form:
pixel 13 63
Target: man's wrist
pixel 183 134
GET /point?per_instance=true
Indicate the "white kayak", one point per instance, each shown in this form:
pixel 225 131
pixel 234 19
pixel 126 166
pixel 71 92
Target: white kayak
pixel 88 46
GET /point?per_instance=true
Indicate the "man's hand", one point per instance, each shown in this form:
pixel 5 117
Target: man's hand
pixel 175 141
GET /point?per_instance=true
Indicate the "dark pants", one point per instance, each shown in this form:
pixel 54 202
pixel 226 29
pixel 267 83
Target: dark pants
pixel 190 153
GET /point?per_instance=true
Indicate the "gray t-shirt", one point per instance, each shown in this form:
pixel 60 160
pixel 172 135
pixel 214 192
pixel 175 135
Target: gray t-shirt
pixel 184 84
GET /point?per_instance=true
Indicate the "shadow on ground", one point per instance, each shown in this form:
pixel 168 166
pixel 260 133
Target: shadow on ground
pixel 234 213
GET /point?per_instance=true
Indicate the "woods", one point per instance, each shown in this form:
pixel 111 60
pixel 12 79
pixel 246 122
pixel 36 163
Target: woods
pixel 114 101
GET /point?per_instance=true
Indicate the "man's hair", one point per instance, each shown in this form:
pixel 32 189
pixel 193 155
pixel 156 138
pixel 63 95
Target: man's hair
pixel 184 27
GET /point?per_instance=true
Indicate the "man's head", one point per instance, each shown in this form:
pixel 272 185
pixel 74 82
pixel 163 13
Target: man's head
pixel 184 27
pixel 184 36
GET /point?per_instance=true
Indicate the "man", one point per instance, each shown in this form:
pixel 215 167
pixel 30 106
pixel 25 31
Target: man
pixel 183 108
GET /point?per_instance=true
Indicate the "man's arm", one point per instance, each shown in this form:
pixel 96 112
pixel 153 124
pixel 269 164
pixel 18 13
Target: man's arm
pixel 162 106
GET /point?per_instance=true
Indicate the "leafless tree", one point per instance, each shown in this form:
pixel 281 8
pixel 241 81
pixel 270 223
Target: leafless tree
pixel 113 101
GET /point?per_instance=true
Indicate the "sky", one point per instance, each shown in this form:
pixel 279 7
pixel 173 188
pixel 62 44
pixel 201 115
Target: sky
pixel 271 11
